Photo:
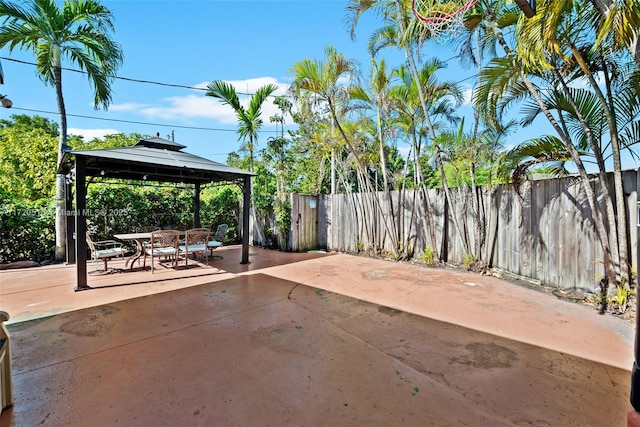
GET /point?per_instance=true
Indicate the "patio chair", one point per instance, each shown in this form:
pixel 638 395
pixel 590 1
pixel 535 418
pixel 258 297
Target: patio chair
pixel 218 239
pixel 104 250
pixel 195 241
pixel 164 243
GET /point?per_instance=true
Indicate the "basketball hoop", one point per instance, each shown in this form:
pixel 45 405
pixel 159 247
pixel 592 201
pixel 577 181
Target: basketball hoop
pixel 443 18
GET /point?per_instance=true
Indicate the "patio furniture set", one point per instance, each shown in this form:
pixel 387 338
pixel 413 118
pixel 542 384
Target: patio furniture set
pixel 168 245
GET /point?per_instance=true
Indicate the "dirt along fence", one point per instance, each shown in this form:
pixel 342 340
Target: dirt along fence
pixel 544 232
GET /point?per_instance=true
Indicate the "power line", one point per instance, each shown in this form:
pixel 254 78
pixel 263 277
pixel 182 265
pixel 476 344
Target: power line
pixel 181 86
pixel 128 79
pixel 135 122
pixel 160 84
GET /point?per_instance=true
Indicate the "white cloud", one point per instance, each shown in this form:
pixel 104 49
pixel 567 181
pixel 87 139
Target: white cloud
pixel 404 150
pixel 467 96
pixel 89 134
pixel 127 106
pixel 583 83
pixel 199 106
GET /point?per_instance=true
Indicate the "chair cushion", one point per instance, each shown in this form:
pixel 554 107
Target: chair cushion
pixel 194 248
pixel 161 251
pixel 110 252
pixel 214 244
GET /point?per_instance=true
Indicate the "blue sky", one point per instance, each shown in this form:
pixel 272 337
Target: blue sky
pixel 191 43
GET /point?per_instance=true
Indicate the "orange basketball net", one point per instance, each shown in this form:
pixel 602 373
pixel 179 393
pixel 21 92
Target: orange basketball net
pixel 443 18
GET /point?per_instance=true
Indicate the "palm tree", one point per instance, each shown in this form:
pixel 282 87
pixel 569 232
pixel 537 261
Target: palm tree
pixel 320 83
pixel 317 85
pixel 510 78
pixel 249 121
pixel 78 31
pixel 377 99
pixel 562 43
pixel 619 24
pixel 402 30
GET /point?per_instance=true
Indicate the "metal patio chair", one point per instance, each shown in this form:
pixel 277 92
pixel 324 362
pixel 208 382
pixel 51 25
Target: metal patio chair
pixel 195 241
pixel 164 243
pixel 218 239
pixel 104 250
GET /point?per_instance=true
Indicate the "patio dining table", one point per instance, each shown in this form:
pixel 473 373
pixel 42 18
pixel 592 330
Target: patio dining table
pixel 139 239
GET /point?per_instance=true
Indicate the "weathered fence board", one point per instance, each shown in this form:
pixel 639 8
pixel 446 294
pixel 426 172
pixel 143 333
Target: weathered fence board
pixel 546 234
pixel 304 222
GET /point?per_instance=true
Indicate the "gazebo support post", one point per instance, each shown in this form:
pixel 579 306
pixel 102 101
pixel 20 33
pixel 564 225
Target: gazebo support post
pixel 68 207
pixel 246 208
pixel 81 225
pixel 196 206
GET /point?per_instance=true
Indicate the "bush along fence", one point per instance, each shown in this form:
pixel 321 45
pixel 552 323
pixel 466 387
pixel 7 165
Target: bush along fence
pixel 544 232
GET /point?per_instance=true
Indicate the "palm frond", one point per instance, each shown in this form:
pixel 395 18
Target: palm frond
pixel 226 93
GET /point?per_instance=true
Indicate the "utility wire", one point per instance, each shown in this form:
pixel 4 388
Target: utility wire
pixel 116 77
pixel 123 78
pixel 159 84
pixel 135 122
pixel 129 79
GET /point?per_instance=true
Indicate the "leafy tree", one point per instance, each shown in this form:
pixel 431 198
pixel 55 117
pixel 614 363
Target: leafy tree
pixel 28 163
pixel 26 229
pixel 312 145
pixel 27 149
pixel 221 205
pixel 77 30
pixel 24 122
pixel 116 140
pixel 318 85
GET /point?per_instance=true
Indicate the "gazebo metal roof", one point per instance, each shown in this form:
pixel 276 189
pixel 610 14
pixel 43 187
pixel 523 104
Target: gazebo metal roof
pixel 155 160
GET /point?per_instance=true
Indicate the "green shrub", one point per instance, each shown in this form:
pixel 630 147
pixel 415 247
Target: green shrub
pixel 27 231
pixel 469 261
pixel 427 256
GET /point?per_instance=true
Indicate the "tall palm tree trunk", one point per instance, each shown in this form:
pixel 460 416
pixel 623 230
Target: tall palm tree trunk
pixel 602 177
pixel 438 154
pixel 395 235
pixel 61 220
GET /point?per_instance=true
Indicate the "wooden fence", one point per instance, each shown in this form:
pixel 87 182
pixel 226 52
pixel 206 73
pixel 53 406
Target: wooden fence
pixel 545 234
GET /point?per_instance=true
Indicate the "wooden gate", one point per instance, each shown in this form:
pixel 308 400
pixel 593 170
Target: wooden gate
pixel 304 223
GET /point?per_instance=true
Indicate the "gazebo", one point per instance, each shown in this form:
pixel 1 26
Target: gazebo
pixel 155 160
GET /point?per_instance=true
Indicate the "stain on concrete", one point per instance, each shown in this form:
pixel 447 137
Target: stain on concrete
pixel 95 323
pixel 487 356
pixel 321 294
pixel 374 275
pixel 389 311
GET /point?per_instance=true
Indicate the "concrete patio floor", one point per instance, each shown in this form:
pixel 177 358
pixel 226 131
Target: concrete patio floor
pixel 307 339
